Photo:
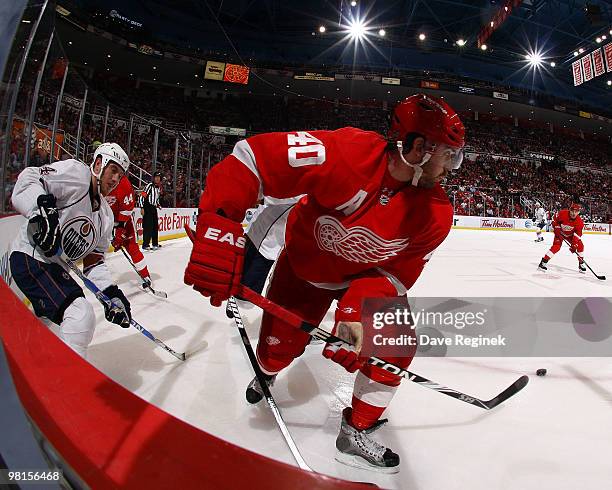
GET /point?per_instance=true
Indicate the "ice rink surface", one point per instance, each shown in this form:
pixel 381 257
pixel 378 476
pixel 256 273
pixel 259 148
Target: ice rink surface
pixel 555 434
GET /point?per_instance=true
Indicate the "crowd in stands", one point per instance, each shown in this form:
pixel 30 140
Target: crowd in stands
pixel 497 178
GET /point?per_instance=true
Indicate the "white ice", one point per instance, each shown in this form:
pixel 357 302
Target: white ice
pixel 556 433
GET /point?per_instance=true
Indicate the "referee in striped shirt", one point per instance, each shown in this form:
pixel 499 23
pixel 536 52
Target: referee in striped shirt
pixel 149 202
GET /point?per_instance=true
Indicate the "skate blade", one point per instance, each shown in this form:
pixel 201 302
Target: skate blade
pixel 359 462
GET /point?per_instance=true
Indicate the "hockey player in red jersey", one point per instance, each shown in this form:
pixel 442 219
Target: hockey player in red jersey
pixel 121 201
pixel 373 212
pixel 567 226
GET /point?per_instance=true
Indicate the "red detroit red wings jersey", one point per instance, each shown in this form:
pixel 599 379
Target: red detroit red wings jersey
pixel 121 200
pixel 354 219
pixel 567 225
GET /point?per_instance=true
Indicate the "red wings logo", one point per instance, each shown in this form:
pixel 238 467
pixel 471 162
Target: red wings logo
pixel 356 244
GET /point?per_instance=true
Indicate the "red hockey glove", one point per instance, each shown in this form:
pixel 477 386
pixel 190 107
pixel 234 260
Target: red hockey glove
pixel 119 238
pixel 217 258
pixel 346 355
pixel 575 245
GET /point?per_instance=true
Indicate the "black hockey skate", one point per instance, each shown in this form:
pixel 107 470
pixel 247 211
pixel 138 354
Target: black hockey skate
pixel 542 265
pixel 254 393
pixel 356 448
pixel 581 267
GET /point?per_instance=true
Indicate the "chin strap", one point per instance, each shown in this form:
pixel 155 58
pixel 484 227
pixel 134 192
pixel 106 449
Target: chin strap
pixel 418 170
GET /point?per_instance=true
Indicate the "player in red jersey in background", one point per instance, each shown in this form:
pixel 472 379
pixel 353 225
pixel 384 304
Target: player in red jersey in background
pixel 567 226
pixel 121 201
pixel 373 212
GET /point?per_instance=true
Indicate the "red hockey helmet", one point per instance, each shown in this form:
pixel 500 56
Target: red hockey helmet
pixel 429 116
pixel 575 207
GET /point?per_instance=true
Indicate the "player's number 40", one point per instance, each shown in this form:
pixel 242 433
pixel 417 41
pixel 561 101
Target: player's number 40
pixel 305 149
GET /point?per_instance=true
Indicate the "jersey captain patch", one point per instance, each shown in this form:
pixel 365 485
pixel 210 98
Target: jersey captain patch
pixel 355 244
pixel 78 237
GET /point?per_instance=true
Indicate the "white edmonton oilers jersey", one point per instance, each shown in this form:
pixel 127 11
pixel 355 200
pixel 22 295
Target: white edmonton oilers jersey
pixel 83 230
pixel 540 214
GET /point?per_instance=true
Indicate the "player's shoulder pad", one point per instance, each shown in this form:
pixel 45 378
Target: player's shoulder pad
pixel 362 151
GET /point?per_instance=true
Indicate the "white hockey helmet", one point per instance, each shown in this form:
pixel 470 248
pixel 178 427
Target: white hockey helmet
pixel 110 153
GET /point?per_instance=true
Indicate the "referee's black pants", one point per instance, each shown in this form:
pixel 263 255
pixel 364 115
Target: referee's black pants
pixel 149 226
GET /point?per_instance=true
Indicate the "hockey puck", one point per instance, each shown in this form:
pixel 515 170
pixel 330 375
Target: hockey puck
pixel 541 372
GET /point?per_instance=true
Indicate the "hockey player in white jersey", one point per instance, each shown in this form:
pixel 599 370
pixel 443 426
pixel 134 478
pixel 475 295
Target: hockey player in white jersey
pixel 540 221
pixel 64 205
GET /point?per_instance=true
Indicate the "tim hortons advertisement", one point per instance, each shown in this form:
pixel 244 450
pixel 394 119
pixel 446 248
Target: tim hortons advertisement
pixel 504 223
pixel 597 228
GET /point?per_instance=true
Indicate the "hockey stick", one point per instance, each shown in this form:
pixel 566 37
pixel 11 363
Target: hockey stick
pixel 264 387
pixel 601 278
pixel 145 285
pixel 318 333
pixel 105 300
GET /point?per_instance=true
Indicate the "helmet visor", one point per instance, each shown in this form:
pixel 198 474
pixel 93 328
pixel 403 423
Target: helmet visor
pixel 448 157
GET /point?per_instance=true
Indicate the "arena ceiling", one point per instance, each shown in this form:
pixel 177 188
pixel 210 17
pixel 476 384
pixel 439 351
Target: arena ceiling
pixel 287 31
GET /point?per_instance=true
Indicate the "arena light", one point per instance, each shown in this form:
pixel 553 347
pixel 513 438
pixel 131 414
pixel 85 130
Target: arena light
pixel 581 50
pixel 353 3
pixel 322 29
pixel 535 59
pixel 598 40
pixel 483 47
pixel 382 32
pixel 553 64
pixel 575 53
pixel 357 29
pixel 460 42
pixel 422 37
pixel 609 82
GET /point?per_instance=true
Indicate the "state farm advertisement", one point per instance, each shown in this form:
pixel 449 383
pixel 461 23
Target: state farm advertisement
pixel 171 221
pixel 503 223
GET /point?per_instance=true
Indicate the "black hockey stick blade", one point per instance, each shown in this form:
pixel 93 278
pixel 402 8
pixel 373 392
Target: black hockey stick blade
pixel 601 278
pixel 512 390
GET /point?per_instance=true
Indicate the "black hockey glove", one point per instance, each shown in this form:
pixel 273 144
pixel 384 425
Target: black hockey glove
pixel 120 313
pixel 45 226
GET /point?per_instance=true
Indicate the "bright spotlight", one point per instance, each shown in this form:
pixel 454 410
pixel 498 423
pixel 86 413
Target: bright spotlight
pixel 609 82
pixel 357 29
pixel 321 29
pixel 575 53
pixel 422 37
pixel 598 40
pixel 483 47
pixel 353 3
pixel 382 32
pixel 534 59
pixel 460 42
pixel 581 50
pixel 553 64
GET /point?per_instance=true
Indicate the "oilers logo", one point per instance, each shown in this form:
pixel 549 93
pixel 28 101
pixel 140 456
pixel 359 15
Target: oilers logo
pixel 78 237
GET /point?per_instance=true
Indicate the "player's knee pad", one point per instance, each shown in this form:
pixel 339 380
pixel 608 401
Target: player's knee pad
pixel 77 327
pixel 276 354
